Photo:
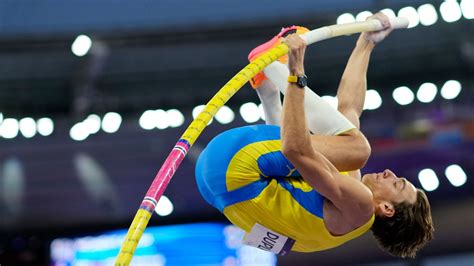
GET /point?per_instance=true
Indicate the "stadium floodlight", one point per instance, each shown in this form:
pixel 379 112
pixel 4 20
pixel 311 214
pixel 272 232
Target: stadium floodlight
pixel 456 175
pixel 411 14
pixel 111 122
pixel 388 12
pixel 249 112
pixel 403 95
pixel 451 89
pixel 78 132
pixel 362 16
pixel 162 119
pixel 45 126
pixel 92 123
pixel 372 100
pixel 164 206
pixel 428 179
pixel 147 120
pixel 175 118
pixel 346 18
pixel 81 45
pixel 427 14
pixel 467 8
pixel 225 115
pixel 27 127
pixel 10 128
pixel 450 11
pixel 427 92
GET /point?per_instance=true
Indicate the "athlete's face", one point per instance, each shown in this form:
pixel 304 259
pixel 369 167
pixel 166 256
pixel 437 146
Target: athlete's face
pixel 389 188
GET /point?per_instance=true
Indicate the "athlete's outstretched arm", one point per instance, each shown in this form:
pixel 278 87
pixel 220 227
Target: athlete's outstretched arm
pixel 353 84
pixel 349 196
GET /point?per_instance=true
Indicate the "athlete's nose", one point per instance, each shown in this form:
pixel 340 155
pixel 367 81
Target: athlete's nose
pixel 388 173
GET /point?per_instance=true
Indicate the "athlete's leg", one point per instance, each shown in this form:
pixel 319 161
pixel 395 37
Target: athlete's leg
pixel 268 93
pixel 322 118
pixel 334 135
pixel 269 96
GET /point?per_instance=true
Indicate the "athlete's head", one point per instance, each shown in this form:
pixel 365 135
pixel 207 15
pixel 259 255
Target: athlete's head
pixel 403 222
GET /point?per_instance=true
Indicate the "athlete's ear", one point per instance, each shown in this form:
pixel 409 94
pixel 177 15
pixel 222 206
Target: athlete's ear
pixel 386 208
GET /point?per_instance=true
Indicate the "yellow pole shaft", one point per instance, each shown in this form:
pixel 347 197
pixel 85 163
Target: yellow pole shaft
pixel 140 221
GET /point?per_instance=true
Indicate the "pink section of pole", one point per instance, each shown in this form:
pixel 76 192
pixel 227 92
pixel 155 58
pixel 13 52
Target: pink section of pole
pixel 167 171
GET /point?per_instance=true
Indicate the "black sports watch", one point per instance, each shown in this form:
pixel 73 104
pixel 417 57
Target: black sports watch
pixel 301 81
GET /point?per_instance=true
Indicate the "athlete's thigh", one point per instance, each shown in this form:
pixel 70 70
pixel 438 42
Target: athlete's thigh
pixel 347 151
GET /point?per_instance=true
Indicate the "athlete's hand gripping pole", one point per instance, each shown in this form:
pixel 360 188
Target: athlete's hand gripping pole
pixel 179 151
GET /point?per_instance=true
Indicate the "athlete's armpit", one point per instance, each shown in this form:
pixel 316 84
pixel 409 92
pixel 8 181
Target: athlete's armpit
pixel 349 195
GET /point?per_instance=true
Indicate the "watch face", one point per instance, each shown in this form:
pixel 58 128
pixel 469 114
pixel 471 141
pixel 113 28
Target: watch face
pixel 302 81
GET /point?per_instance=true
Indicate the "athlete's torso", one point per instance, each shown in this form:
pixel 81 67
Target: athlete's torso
pixel 281 201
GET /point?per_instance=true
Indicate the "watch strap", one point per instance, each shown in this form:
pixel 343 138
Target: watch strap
pixel 292 79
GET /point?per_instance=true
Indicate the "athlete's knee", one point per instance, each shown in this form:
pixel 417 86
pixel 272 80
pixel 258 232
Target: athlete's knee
pixel 360 148
pixel 366 150
pixel 363 149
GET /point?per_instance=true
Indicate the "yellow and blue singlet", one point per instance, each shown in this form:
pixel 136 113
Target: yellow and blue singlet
pixel 243 173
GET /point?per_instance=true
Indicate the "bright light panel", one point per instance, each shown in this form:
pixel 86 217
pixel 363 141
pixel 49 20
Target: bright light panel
pixel 111 122
pixel 451 89
pixel 427 92
pixel 450 11
pixel 45 126
pixel 28 127
pixel 403 95
pixel 427 14
pixel 81 45
pixel 175 118
pixel 10 128
pixel 456 175
pixel 164 206
pixel 249 112
pixel 225 115
pixel 147 120
pixel 388 12
pixel 428 179
pixel 467 8
pixel 161 119
pixel 345 18
pixel 78 132
pixel 362 16
pixel 92 123
pixel 411 14
pixel 372 100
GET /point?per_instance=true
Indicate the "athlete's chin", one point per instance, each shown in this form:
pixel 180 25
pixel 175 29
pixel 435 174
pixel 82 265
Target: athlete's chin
pixel 368 179
pixel 365 178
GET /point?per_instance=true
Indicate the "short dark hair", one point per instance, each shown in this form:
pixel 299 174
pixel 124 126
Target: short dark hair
pixel 408 230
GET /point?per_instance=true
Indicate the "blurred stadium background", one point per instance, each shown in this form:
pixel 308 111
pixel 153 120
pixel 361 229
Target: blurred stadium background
pixel 94 94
